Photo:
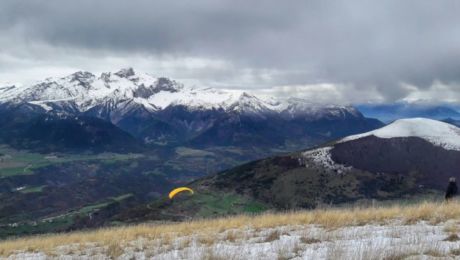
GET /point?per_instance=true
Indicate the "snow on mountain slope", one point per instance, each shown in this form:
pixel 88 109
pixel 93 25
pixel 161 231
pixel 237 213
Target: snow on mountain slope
pixel 126 88
pixel 207 98
pixel 436 132
pixel 294 107
pixel 83 88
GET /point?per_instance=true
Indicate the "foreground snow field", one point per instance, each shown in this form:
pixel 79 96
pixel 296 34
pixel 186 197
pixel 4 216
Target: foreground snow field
pixel 390 241
pixel 423 230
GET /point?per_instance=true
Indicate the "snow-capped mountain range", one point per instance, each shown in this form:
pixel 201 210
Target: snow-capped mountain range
pixel 163 111
pixel 126 89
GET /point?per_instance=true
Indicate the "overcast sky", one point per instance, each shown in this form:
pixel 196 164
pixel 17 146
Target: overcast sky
pixel 331 51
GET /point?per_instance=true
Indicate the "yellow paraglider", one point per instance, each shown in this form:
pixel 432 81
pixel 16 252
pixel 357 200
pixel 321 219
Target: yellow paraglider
pixel 178 190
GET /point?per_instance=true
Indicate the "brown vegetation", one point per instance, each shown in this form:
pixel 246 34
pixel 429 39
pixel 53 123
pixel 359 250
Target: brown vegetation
pixel 206 229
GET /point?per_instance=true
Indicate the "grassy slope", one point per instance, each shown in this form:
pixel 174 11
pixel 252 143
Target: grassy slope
pixel 328 218
pixel 182 165
pixel 203 204
pixel 211 205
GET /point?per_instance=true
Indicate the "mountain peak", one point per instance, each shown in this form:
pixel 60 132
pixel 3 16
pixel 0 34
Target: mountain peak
pixel 245 94
pixel 82 74
pixel 436 132
pixel 82 77
pixel 8 87
pixel 125 72
pixel 119 92
pixel 167 84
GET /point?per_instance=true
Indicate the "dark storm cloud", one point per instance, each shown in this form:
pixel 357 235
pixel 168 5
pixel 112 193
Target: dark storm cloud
pixel 364 44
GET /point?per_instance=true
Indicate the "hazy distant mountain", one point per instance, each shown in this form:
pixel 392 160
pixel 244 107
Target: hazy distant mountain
pixel 391 112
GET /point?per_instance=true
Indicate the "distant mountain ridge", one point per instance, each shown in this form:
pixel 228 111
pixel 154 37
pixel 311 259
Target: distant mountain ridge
pixel 125 90
pixel 45 133
pixel 162 111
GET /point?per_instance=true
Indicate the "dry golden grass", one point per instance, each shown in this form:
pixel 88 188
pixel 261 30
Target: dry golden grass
pixel 309 240
pixel 274 235
pixel 231 236
pixel 451 227
pixel 114 250
pixel 452 238
pixel 206 229
pixel 455 252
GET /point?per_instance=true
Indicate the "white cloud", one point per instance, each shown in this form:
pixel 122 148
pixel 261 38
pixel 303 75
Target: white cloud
pixel 326 93
pixel 438 92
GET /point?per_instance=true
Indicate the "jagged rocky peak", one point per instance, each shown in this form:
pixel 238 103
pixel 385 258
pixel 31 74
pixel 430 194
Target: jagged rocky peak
pixel 6 88
pixel 249 104
pixel 105 76
pixel 246 96
pixel 161 84
pixel 85 91
pixel 246 99
pixel 125 73
pixel 82 75
pixel 143 92
pixel 83 78
pixel 165 83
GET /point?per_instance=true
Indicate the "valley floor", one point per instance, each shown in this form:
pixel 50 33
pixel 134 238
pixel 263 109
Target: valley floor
pixel 423 231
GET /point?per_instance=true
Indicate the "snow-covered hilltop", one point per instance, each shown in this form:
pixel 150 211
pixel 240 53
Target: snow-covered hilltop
pixel 126 89
pixel 436 132
pixel 361 152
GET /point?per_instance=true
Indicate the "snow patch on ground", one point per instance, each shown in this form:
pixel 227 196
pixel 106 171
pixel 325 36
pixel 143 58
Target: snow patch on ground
pixel 322 157
pixel 392 241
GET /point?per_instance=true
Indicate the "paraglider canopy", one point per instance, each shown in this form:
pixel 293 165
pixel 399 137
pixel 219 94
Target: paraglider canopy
pixel 178 190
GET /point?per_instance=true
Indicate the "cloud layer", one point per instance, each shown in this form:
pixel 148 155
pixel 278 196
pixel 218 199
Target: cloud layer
pixel 373 49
